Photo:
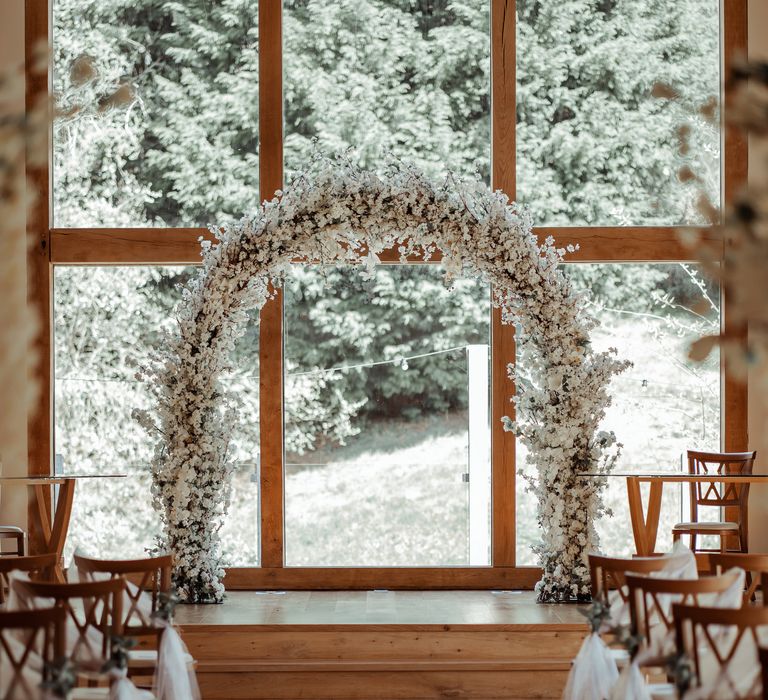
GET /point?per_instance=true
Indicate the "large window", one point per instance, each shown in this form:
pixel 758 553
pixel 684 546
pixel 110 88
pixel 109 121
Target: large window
pixel 369 449
pixel 390 464
pixel 107 320
pixel 664 404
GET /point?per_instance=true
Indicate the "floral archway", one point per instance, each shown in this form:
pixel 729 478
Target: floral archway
pixel 338 213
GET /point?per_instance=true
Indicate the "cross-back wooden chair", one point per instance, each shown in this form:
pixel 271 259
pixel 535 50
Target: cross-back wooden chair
pixel 650 604
pixel 37 566
pixel 608 573
pixel 28 640
pixel 150 577
pixel 754 564
pixel 718 494
pixel 723 645
pixel 94 614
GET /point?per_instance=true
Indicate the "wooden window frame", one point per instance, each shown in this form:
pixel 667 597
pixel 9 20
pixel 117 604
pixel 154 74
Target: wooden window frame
pixel 148 246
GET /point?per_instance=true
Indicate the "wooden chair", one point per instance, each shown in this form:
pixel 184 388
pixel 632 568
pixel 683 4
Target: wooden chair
pixel 650 608
pixel 720 495
pixel 756 565
pixel 151 575
pixel 610 572
pixel 11 532
pixel 38 567
pixel 94 614
pixel 723 646
pixel 28 641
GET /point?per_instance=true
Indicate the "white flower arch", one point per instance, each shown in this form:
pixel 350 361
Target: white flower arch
pixel 336 213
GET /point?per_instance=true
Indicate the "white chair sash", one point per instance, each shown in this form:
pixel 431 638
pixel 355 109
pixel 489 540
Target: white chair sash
pixel 175 678
pixel 593 673
pixel 122 688
pixel 631 684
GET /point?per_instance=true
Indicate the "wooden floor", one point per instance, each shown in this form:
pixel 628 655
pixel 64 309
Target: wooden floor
pixel 382 645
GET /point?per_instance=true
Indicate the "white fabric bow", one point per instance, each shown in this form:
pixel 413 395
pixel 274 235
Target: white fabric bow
pixel 122 688
pixel 175 678
pixel 593 673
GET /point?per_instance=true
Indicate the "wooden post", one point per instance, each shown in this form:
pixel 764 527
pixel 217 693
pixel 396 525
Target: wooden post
pixel 39 277
pixel 271 320
pixel 503 164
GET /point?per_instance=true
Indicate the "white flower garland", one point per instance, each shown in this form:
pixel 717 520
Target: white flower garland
pixel 336 213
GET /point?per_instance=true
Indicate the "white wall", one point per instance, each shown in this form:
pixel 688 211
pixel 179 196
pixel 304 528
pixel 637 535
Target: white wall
pixel 13 499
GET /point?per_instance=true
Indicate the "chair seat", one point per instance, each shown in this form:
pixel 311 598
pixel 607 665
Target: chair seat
pixel 147 658
pixel 103 694
pixel 661 691
pixel 10 530
pixel 706 527
pixel 620 658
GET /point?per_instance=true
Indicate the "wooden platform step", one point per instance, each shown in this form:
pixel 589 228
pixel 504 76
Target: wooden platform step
pixel 364 660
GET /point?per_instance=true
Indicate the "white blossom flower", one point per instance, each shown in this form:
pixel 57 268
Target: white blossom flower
pixel 330 214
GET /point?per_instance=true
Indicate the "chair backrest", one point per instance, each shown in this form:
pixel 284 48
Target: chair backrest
pixel 152 575
pixel 754 564
pixel 609 572
pixel 38 567
pixel 723 644
pixel 719 493
pixel 94 613
pixel 36 563
pixel 28 640
pixel 650 598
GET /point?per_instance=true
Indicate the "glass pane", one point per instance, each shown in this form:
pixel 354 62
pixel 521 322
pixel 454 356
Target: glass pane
pixel 593 145
pixel 184 151
pixel 409 77
pixel 386 408
pixel 107 321
pixel 663 405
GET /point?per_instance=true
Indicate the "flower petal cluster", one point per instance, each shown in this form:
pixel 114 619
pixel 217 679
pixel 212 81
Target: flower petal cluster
pixel 337 213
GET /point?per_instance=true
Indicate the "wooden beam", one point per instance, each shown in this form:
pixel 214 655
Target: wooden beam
pixel 404 578
pixel 39 278
pixel 623 244
pixel 271 320
pixel 181 246
pixel 127 246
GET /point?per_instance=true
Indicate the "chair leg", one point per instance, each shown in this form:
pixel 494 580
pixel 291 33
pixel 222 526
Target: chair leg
pixel 723 544
pixel 693 541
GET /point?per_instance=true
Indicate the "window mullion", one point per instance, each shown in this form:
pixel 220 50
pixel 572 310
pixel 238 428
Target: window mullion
pixel 271 321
